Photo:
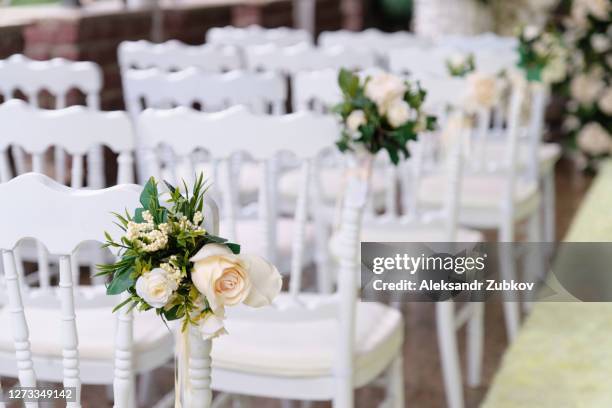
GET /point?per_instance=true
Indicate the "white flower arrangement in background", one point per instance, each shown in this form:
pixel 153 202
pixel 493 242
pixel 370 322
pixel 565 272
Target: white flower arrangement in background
pixel 460 64
pixel 542 55
pixel 170 263
pixel 588 33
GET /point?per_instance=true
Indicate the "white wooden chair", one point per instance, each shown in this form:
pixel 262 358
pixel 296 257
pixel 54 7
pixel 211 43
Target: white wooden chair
pixel 310 347
pixel 74 130
pixel 305 57
pixel 68 333
pixel 417 61
pixel 440 225
pixel 498 198
pixel 257 35
pixel 58 77
pixel 373 40
pixel 174 55
pixel 195 132
pixel 260 92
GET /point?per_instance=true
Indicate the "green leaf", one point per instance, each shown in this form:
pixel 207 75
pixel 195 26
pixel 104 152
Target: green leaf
pixel 349 82
pixel 149 194
pixel 235 248
pixel 138 215
pixel 121 282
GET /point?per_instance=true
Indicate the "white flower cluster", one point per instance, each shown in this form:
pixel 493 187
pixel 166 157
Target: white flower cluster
pixel 146 236
pixel 387 91
pixel 172 271
pixel 551 48
pixel 186 224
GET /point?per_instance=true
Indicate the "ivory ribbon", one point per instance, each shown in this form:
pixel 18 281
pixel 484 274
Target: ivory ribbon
pixel 182 385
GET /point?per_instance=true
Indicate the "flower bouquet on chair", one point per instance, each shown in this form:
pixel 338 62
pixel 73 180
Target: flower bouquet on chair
pixel 460 64
pixel 542 55
pixel 383 111
pixel 170 263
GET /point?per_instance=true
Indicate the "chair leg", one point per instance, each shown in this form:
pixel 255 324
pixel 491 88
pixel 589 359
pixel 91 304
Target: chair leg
pixel 145 383
pixel 344 397
pixel 449 355
pixel 395 383
pixel 508 273
pixel 475 340
pixel 534 262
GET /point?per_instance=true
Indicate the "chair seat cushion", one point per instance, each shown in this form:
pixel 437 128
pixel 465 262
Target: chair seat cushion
pixel 307 348
pixel 548 154
pixel 414 232
pixel 95 330
pixel 477 191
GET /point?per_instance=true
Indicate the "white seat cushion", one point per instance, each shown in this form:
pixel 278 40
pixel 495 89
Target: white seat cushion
pixel 95 329
pixel 548 154
pixel 307 348
pixel 251 239
pixel 414 232
pixel 477 191
pixel 250 176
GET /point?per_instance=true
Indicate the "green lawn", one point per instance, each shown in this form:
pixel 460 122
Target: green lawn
pixel 30 2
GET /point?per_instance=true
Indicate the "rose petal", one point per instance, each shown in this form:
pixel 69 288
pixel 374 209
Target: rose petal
pixel 211 326
pixel 210 250
pixel 266 282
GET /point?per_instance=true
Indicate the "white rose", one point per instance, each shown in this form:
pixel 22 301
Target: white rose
pixel 585 88
pixel 593 139
pixel 228 279
pixel 531 32
pixel 599 8
pixel 554 72
pixel 457 60
pixel 211 326
pixel 600 42
pixel 571 123
pixel 355 119
pixel 384 88
pixel 155 287
pixel 398 113
pixel 605 102
pixel 483 91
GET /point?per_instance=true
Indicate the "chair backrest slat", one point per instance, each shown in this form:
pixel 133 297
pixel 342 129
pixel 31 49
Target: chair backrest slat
pixel 75 130
pixel 175 55
pixel 257 35
pixel 304 57
pixel 213 91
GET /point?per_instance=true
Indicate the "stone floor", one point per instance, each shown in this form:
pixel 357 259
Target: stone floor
pixel 423 381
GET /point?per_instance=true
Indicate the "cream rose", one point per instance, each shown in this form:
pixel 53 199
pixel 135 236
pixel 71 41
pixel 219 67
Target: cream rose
pixel 605 102
pixel 226 279
pixel 383 88
pixel 600 42
pixel 594 139
pixel 599 8
pixel 155 287
pixel 585 88
pixel 355 119
pixel 483 90
pixel 398 113
pixel 531 32
pixel 211 326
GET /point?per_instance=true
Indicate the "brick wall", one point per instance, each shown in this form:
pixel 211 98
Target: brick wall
pixel 94 36
pixel 11 40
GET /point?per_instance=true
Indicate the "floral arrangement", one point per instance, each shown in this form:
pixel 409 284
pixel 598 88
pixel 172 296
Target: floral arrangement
pixel 542 55
pixel 589 86
pixel 381 112
pixel 170 263
pixel 459 65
